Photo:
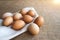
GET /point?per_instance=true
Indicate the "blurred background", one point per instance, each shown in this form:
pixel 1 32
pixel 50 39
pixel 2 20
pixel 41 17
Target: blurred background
pixel 49 9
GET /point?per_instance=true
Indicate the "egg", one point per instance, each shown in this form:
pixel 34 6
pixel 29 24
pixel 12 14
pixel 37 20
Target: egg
pixel 33 28
pixel 18 24
pixel 23 12
pixel 7 14
pixel 39 21
pixel 7 21
pixel 17 16
pixel 31 13
pixel 27 18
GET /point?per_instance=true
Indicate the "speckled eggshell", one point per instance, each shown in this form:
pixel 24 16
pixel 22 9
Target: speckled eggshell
pixel 6 15
pixel 39 21
pixel 18 24
pixel 27 18
pixel 33 28
pixel 31 13
pixel 7 21
pixel 17 16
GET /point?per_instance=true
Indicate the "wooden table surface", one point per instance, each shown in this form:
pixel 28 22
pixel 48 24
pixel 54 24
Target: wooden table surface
pixel 46 8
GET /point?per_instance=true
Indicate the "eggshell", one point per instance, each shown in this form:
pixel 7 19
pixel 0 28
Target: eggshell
pixel 7 14
pixel 39 21
pixel 18 24
pixel 8 20
pixel 27 18
pixel 23 12
pixel 17 16
pixel 33 29
pixel 31 13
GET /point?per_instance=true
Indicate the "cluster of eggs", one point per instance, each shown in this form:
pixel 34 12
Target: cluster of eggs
pixel 19 19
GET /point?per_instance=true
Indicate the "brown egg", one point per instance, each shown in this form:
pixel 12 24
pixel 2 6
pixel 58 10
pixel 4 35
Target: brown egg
pixel 6 15
pixel 17 16
pixel 27 18
pixel 39 21
pixel 31 13
pixel 23 12
pixel 33 29
pixel 8 20
pixel 18 24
